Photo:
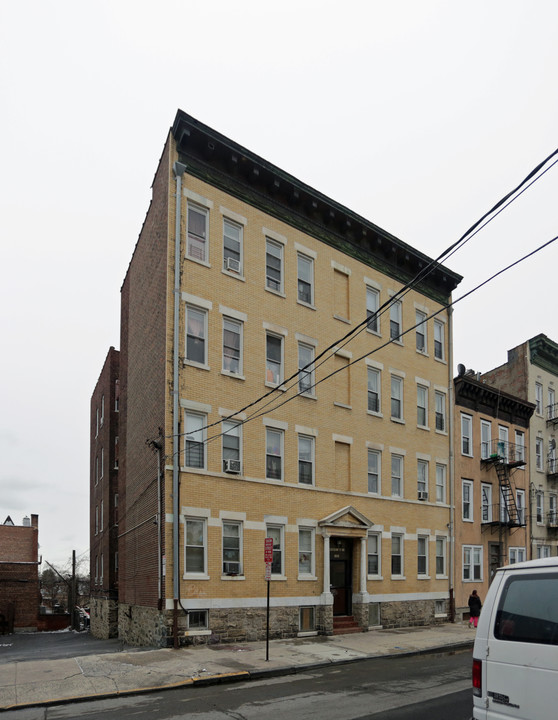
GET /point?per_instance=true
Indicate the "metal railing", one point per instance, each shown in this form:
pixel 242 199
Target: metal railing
pixel 502 450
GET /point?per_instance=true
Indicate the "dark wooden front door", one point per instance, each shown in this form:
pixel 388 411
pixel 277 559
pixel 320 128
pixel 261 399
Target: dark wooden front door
pixel 341 575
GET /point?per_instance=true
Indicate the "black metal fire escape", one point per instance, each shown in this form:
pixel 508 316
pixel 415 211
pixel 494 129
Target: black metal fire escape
pixel 499 455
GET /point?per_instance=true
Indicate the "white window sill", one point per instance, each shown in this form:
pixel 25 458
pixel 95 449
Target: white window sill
pixel 198 261
pixel 398 420
pixel 200 366
pixel 440 360
pixel 268 384
pixel 279 578
pixel 307 633
pixel 233 577
pixel 377 333
pixel 440 615
pixel 310 306
pixel 310 396
pixel 442 432
pixel 423 427
pixel 279 293
pixel 397 342
pixel 469 520
pixel 441 577
pixel 236 276
pixel 234 375
pixel 374 577
pixel 195 576
pixel 423 353
pixel 424 577
pixel 375 414
pixel 342 405
pixel 398 577
pixel 342 319
pixel 195 633
pixel 307 578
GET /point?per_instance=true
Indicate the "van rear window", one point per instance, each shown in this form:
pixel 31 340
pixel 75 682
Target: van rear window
pixel 528 610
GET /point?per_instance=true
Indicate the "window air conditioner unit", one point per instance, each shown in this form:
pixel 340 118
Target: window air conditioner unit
pixel 232 264
pixel 231 568
pixel 232 466
pixel 422 495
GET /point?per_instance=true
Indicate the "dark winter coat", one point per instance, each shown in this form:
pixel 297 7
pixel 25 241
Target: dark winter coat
pixel 474 605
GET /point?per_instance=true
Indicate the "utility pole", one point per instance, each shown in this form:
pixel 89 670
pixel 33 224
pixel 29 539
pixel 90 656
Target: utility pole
pixel 75 621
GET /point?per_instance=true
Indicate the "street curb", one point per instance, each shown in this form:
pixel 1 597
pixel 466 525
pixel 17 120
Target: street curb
pixel 242 675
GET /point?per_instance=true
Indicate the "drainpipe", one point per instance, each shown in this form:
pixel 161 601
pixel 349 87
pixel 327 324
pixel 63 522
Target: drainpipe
pixel 178 169
pixel 451 468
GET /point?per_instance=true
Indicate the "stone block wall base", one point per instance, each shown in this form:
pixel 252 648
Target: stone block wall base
pixel 142 626
pixel 104 617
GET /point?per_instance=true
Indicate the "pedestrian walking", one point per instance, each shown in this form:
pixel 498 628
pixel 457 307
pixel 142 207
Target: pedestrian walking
pixel 475 606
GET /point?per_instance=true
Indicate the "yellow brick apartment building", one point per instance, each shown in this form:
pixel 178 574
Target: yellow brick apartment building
pixel 285 373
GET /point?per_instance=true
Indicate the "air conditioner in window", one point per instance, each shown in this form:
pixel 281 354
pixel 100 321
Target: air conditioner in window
pixel 232 264
pixel 231 568
pixel 232 466
pixel 422 495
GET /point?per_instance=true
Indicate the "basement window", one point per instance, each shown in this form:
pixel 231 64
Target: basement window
pixel 307 622
pixel 197 619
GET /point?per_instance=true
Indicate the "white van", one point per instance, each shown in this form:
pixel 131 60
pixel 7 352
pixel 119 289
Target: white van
pixel 515 658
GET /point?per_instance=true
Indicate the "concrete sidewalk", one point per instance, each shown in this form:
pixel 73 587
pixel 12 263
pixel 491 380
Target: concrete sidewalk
pixel 49 682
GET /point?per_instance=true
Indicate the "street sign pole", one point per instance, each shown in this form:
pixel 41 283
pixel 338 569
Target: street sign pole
pixel 268 557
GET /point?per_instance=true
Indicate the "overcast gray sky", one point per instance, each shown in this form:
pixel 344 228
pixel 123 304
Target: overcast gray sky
pixel 417 114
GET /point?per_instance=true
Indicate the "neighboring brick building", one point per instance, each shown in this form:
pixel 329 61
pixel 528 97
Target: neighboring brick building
pixel 104 462
pixel 491 483
pixel 19 574
pixel 531 372
pixel 229 293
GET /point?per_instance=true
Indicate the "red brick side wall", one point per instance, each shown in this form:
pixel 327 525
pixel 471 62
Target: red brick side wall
pixel 104 542
pixel 513 376
pixel 19 573
pixel 143 392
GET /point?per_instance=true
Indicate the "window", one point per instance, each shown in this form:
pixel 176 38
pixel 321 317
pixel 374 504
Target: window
pixel 102 410
pixel 196 333
pixel 396 397
pixel 466 435
pixel 305 276
pixel 440 556
pixel 97 422
pixel 519 619
pixel 420 321
pixel 486 437
pixel 422 406
pixel 195 455
pixel 551 414
pixel 397 476
pixel 96 470
pixel 116 395
pixel 372 305
pixel 273 265
pixel 96 519
pixel 307 621
pixel 306 377
pixel 232 548
pixel 539 499
pixel 467 500
pixel 422 555
pixel 440 401
pixel 519 446
pixel 440 483
pixel 231 445
pixel 503 444
pixel 116 453
pixel 422 479
pixel 102 462
pixel 195 545
pixel 274 359
pixel 395 320
pixel 274 454
pixel 517 554
pixel 539 453
pixel 116 508
pixel 486 509
pixel 438 340
pixel 102 523
pixel 373 390
pixel 374 554
pixel 552 515
pixel 232 246
pixel 306 459
pixel 520 502
pixel 102 568
pixel 551 464
pixel 197 233
pixel 543 551
pixel 232 346
pixel 374 472
pixel 472 562
pixel 96 569
pixel 539 398
pixel 276 533
pixel 306 551
pixel 197 620
pixel 397 555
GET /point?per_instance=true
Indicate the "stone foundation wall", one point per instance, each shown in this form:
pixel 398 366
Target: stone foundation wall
pixel 104 617
pixel 143 626
pixel 409 614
